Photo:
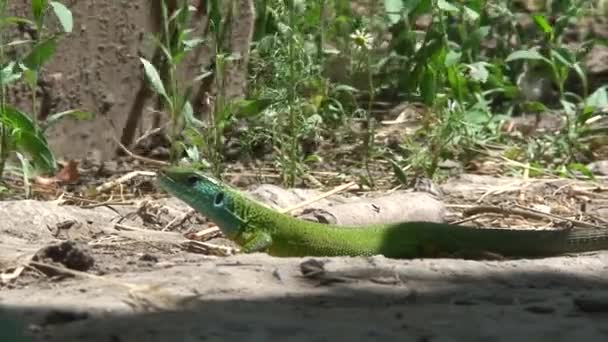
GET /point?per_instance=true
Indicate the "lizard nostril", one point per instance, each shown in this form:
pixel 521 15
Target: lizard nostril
pixel 219 199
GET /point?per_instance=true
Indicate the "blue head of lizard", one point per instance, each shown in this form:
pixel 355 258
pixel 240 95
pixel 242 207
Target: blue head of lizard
pixel 205 194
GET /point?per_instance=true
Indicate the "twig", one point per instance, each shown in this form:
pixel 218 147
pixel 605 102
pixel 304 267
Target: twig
pixel 179 220
pixel 317 198
pixel 527 213
pixel 105 204
pixel 64 270
pixel 211 231
pixel 16 273
pixel 587 193
pixel 251 174
pixel 148 133
pixel 312 179
pixel 109 185
pixel 207 248
pixel 526 167
pixel 467 219
pixel 513 186
pixel 120 226
pixel 138 157
pixel 574 222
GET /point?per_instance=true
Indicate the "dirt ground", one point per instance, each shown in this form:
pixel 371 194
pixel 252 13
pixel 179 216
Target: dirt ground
pixel 111 273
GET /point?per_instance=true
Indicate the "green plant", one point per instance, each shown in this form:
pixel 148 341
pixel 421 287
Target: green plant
pixel 175 42
pixel 467 62
pixel 19 132
pixel 456 59
pixel 210 138
pixel 363 43
pixel 286 76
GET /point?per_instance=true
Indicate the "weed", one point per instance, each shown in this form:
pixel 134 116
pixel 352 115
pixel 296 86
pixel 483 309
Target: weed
pixel 473 65
pixel 22 133
pixel 175 43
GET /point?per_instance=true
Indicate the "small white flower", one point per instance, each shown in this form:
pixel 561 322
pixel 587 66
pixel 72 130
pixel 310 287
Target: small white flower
pixel 362 39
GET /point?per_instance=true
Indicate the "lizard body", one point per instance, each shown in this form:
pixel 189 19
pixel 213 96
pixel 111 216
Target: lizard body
pixel 257 228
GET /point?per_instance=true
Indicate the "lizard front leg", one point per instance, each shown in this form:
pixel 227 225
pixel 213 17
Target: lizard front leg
pixel 256 242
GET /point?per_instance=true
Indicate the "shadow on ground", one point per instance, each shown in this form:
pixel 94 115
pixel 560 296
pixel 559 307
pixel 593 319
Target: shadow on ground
pixel 366 305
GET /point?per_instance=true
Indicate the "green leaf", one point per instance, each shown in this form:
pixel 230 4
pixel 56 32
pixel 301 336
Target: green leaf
pixel 76 114
pixel 452 58
pixel 37 149
pixel 420 7
pixel 542 23
pixel 525 54
pixel 562 57
pixel 428 86
pixel 177 15
pixel 249 108
pixel 583 76
pixel 192 43
pixel 477 117
pixel 30 76
pixel 446 6
pixel 192 152
pixel 38 7
pixel 456 82
pixel 599 98
pixel 398 171
pixel 162 46
pixel 41 53
pixel 193 137
pixel 535 107
pixel 8 74
pixel 313 158
pixel 478 72
pixel 345 88
pixel 471 14
pixel 569 107
pixel 581 168
pixel 64 15
pixel 15 20
pixel 27 173
pixel 153 78
pixel 393 9
pixel 188 115
pixel 15 119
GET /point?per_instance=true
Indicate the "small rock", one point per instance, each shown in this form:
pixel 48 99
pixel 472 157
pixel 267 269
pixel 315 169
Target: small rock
pixel 599 167
pixel 148 257
pixel 71 254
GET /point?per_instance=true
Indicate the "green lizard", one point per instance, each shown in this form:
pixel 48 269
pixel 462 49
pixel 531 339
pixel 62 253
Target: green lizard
pixel 257 228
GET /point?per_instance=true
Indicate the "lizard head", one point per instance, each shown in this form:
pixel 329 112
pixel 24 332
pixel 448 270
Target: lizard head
pixel 205 194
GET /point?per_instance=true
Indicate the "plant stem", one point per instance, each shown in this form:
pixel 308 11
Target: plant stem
pixel 369 138
pixel 370 134
pixel 218 114
pixel 4 138
pixel 293 146
pixel 169 65
pixel 321 36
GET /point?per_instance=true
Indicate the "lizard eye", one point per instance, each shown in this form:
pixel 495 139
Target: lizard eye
pixel 219 199
pixel 191 180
